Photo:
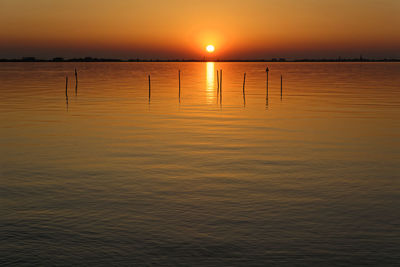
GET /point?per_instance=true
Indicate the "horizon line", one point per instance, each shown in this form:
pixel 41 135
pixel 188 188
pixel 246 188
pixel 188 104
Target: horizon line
pixel 95 59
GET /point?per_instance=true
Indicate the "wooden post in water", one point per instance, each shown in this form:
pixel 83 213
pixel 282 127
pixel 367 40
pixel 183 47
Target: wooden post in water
pixel 217 82
pixel 281 87
pixel 244 92
pixel 266 93
pixel 179 76
pixel 76 82
pixel 66 87
pixel 220 86
pixel 244 82
pixel 217 85
pixel 220 80
pixel 66 91
pixel 149 88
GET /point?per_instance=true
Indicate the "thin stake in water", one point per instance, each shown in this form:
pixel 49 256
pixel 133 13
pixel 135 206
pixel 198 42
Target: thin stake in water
pixel 266 93
pixel 217 82
pixel 220 80
pixel 76 82
pixel 281 87
pixel 179 76
pixel 66 87
pixel 220 86
pixel 244 81
pixel 66 91
pixel 217 86
pixel 149 88
pixel 244 92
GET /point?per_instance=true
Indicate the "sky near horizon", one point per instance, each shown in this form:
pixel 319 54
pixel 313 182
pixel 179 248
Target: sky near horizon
pixel 169 29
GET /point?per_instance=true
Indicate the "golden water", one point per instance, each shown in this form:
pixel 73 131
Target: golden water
pixel 110 177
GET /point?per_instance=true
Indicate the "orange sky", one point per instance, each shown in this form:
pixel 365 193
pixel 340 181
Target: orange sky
pixel 171 29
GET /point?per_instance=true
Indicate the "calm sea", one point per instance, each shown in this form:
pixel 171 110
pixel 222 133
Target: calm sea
pixel 309 176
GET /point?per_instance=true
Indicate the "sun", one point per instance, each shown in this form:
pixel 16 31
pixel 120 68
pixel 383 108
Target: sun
pixel 210 48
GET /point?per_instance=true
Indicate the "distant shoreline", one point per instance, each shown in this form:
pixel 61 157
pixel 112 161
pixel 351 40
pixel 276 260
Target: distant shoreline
pixel 280 60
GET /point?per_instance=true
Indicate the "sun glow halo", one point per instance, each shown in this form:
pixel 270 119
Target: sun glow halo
pixel 210 48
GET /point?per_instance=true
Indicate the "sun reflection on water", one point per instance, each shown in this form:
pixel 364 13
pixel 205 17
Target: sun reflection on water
pixel 210 81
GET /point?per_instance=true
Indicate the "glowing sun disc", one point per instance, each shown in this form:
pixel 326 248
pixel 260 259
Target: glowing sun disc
pixel 210 48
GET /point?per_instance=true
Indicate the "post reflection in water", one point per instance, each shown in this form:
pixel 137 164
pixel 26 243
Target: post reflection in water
pixel 210 81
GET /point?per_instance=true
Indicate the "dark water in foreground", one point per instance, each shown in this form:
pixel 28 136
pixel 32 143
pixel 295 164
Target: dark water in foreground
pixel 309 178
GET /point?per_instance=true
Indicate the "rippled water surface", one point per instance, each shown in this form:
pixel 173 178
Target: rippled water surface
pixel 111 177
